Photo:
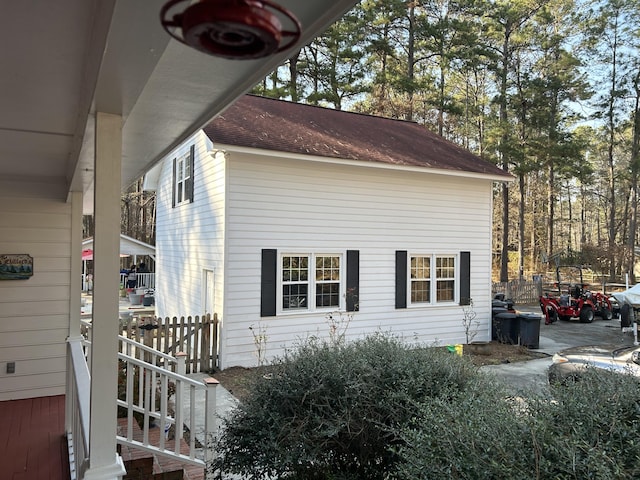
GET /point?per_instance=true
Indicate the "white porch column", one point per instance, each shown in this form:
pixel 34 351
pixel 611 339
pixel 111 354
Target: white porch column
pixel 104 462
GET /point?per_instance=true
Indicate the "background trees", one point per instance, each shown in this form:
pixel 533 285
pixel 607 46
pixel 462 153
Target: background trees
pixel 546 89
pixel 549 90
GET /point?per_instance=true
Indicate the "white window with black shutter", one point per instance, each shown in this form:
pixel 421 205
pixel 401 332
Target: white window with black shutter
pixel 308 282
pixel 430 279
pixel 183 178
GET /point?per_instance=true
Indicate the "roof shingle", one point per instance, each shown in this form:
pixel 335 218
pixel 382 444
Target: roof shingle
pixel 258 122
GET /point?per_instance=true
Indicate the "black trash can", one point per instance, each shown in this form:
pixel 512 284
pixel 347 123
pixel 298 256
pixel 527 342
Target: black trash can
pixel 494 313
pixel 529 329
pixel 506 328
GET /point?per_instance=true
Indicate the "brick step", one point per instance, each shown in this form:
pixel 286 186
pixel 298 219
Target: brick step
pixel 162 468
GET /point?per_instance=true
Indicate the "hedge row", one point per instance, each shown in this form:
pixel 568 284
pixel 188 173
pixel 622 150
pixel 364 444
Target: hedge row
pixel 378 408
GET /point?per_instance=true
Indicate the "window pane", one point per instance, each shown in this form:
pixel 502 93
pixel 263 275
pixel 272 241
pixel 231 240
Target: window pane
pixel 444 290
pixel 420 291
pixel 292 271
pixel 328 295
pixel 420 267
pixel 294 297
pixel 445 267
pixel 180 171
pixel 327 268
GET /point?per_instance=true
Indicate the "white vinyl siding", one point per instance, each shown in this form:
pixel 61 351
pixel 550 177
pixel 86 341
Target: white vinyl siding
pixel 277 203
pixel 34 313
pixel 246 203
pixel 190 239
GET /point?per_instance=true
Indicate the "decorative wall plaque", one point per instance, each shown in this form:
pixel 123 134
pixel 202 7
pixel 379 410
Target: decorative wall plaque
pixel 15 266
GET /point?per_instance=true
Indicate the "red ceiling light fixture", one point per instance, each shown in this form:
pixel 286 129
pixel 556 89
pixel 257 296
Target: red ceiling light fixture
pixel 234 29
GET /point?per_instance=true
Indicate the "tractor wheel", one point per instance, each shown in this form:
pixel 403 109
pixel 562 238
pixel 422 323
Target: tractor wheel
pixel 586 314
pixel 606 314
pixel 553 315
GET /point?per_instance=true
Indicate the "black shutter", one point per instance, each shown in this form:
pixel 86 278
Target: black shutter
pixel 173 185
pixel 353 280
pixel 401 279
pixel 268 283
pixel 188 194
pixel 465 278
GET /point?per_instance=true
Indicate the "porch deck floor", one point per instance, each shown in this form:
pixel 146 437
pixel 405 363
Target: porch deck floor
pixel 32 441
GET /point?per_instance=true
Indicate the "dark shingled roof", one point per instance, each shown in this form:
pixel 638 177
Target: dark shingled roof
pixel 277 125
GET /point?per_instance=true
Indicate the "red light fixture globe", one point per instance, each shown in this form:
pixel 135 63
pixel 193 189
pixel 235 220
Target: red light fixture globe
pixel 234 29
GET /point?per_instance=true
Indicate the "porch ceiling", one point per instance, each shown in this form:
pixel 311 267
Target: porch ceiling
pixel 63 61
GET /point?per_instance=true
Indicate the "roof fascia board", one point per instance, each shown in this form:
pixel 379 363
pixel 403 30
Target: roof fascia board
pixel 508 178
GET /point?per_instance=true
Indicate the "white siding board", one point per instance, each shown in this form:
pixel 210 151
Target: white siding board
pixel 31 308
pixel 34 293
pixel 26 386
pixel 45 278
pixel 52 322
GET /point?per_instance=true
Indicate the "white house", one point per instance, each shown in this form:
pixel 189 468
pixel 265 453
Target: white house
pixel 277 214
pixel 93 94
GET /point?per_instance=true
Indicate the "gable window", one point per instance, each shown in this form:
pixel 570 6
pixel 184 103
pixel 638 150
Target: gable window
pixel 183 178
pixel 310 281
pixel 432 279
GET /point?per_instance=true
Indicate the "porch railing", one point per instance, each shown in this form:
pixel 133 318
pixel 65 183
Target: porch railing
pixel 78 410
pixel 154 389
pixel 143 280
pixel 157 396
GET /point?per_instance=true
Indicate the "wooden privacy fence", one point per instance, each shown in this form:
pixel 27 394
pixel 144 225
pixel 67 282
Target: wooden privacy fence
pixel 197 337
pixel 520 291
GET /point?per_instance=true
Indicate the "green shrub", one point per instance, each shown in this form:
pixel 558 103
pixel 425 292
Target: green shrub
pixel 377 409
pixel 475 434
pixel 585 430
pixel 592 428
pixel 333 411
